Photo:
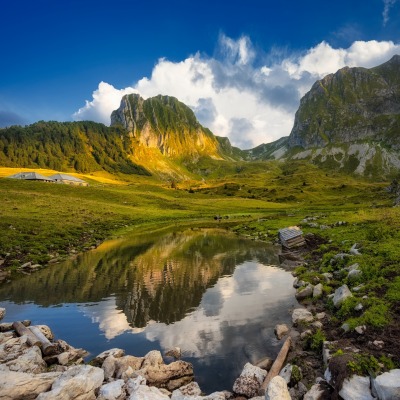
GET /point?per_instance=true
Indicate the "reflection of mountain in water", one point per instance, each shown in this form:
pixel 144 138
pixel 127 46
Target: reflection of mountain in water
pixel 159 278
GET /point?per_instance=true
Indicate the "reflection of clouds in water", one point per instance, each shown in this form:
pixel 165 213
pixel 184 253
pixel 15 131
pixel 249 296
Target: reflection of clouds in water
pixel 111 321
pixel 235 317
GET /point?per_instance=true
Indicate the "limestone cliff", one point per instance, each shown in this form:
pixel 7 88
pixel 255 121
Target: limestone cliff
pixel 354 104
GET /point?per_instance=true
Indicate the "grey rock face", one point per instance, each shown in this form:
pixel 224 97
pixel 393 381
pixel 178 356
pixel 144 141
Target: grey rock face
pixel 340 295
pixel 356 388
pixel 387 385
pixel 277 389
pixel 301 315
pixel 249 381
pixel 281 330
pixel 303 293
pixel 77 383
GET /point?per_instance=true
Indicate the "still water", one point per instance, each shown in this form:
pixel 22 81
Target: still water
pixel 216 296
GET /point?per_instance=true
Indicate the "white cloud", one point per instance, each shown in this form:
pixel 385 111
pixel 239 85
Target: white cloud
pixel 236 95
pixel 387 5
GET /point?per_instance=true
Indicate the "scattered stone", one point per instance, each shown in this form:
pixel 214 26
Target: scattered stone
pixel 360 329
pixel 13 348
pixel 26 265
pixel 249 381
pixel 346 327
pixel 133 383
pixel 264 363
pixel 354 251
pixel 353 267
pixel 317 325
pixel 358 307
pixel 387 385
pixel 286 373
pixel 109 367
pixel 301 315
pixel 326 352
pixel 174 352
pixel 321 315
pixel 112 391
pixel 30 361
pixel 327 276
pixel 277 389
pixel 306 333
pixel 378 343
pixel 192 389
pixel 354 274
pixel 356 388
pixel 122 365
pixel 281 330
pixel 298 283
pixel 21 385
pixel 304 293
pixel 318 290
pixel 358 288
pixel 171 376
pixel 340 295
pixel 153 358
pixel 316 392
pixel 2 313
pixel 148 393
pixel 78 382
pixel 99 359
pixel 298 391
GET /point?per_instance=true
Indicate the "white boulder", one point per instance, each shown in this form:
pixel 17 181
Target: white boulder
pixel 356 388
pixel 249 381
pixel 340 295
pixel 277 389
pixel 301 315
pixel 387 385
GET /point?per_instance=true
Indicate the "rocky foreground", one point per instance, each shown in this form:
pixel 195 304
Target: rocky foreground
pixel 35 366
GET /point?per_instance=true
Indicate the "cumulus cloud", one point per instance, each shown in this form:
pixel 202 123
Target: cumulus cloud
pixel 387 5
pixel 235 93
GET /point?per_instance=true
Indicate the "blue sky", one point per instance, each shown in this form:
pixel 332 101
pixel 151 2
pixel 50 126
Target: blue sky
pixel 242 65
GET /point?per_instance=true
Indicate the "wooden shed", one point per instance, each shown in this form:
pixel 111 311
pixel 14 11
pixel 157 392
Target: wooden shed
pixel 291 237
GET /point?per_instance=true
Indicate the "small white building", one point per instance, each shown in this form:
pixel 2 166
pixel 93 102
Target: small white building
pixel 68 180
pixel 31 176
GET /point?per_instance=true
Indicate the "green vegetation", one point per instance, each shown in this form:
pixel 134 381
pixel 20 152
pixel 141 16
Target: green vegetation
pixel 68 146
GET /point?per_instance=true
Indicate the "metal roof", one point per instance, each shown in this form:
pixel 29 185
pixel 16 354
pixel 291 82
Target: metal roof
pixel 65 177
pixel 290 233
pixel 31 176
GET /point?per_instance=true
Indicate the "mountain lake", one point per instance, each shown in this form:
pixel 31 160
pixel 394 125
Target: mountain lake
pixel 213 294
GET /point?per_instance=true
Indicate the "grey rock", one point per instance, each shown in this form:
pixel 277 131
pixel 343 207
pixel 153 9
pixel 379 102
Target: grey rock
pixel 115 352
pixel 298 283
pixel 148 393
pixel 360 329
pixel 30 361
pixel 317 325
pixel 286 373
pixel 346 327
pixel 301 315
pixel 153 358
pixel 171 376
pixel 24 386
pixel 326 352
pixel 378 343
pixel 306 333
pixel 354 274
pixel 13 348
pixel 2 313
pixel 353 267
pixel 6 336
pixel 356 388
pixel 320 316
pixel 298 391
pixel 192 389
pixel 354 251
pixel 318 290
pixel 249 381
pixel 109 367
pixel 315 393
pixel 358 307
pixel 281 330
pixel 277 389
pixel 112 391
pixel 303 293
pixel 327 276
pixel 133 383
pixel 340 295
pixel 122 365
pixel 387 385
pixel 264 363
pixel 77 383
pixel 175 352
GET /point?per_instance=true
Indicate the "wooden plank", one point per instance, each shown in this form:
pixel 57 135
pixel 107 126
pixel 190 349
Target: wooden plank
pixel 48 348
pixel 276 366
pixel 22 330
